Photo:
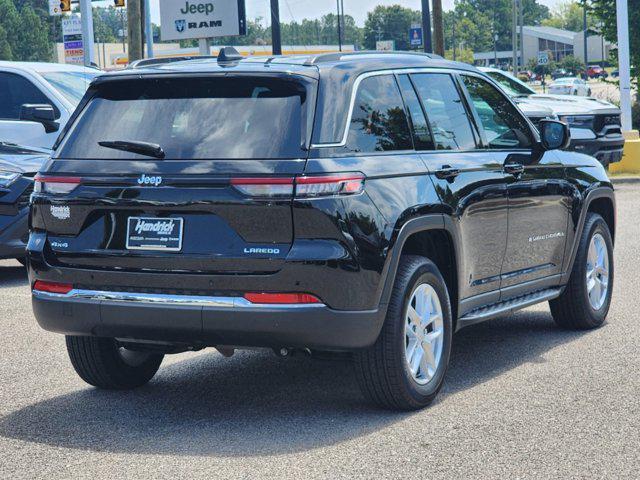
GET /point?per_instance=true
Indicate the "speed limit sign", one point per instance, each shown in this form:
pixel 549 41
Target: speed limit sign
pixel 543 58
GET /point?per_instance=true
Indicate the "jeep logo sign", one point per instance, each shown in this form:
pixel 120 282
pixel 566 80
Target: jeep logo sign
pixel 183 19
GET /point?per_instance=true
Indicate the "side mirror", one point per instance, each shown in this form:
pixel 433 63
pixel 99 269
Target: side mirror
pixel 40 113
pixel 554 135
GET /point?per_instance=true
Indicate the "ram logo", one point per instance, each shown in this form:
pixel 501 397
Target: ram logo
pixel 181 25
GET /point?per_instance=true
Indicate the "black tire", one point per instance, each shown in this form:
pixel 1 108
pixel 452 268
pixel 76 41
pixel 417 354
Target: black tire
pixel 100 362
pixel 572 309
pixel 382 371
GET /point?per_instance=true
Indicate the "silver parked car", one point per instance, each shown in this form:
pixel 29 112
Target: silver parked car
pixel 570 86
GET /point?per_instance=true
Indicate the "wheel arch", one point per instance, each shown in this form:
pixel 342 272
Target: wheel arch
pixel 600 200
pixel 434 237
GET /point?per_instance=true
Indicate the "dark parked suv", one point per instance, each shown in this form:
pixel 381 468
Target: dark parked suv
pixel 367 203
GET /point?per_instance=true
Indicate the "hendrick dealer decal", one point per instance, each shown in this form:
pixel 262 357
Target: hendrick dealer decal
pixel 182 19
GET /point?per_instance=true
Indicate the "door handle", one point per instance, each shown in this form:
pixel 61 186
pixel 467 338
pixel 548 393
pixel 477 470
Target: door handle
pixel 514 168
pixel 447 172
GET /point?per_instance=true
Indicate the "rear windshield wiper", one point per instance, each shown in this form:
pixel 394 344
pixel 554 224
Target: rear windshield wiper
pixel 142 148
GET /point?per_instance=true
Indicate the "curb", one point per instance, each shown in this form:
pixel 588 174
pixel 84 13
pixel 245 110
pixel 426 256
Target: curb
pixel 624 180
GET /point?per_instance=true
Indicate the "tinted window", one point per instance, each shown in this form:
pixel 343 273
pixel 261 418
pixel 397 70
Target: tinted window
pixel 378 122
pixel 194 118
pixel 446 112
pixel 71 84
pixel 504 127
pixel 422 135
pixel 15 90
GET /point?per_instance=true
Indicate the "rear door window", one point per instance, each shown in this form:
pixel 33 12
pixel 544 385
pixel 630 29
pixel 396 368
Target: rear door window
pixel 195 118
pixel 378 121
pixel 445 110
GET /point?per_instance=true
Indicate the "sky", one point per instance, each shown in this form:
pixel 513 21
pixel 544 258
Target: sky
pixel 299 9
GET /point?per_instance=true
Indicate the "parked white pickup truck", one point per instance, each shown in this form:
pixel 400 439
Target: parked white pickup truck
pixel 35 85
pixel 595 124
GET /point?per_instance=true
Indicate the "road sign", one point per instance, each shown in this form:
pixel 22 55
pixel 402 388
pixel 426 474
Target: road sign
pixel 182 19
pixel 72 39
pixel 415 36
pixel 54 8
pixel 385 45
pixel 543 58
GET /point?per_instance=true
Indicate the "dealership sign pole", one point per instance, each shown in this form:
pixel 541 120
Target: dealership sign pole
pixel 623 63
pixel 202 20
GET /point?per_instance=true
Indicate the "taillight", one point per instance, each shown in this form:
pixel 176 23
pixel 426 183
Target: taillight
pixel 55 185
pixel 329 185
pixel 52 287
pixel 264 186
pixel 281 298
pixel 308 186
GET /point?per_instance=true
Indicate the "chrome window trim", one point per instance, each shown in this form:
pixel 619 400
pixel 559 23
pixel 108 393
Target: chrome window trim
pixel 165 299
pixel 354 92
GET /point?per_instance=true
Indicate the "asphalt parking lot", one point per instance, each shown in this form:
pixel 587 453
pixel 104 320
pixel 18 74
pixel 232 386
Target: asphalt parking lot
pixel 523 399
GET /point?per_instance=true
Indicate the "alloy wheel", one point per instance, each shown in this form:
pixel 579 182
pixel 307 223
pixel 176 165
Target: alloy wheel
pixel 424 333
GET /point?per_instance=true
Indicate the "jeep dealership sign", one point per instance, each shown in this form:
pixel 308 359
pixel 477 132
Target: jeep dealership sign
pixel 182 19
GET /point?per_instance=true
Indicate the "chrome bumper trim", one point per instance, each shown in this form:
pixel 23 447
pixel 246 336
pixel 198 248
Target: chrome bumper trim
pixel 162 299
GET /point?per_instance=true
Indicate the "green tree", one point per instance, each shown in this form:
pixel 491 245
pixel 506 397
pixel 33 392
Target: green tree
pixel 572 64
pixel 605 10
pixel 569 16
pixel 32 41
pixel 389 23
pixel 26 31
pixel 476 21
pixel 5 47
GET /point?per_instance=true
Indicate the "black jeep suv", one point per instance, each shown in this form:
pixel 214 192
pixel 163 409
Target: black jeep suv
pixel 367 203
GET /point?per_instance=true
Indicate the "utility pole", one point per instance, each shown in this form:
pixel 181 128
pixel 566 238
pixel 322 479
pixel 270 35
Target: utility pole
pixel 514 38
pixel 622 18
pixel 584 27
pixel 495 50
pixel 453 32
pixel 148 29
pixel 87 31
pixel 276 41
pixel 521 5
pixel 438 28
pixel 134 30
pixel 426 26
pixel 339 26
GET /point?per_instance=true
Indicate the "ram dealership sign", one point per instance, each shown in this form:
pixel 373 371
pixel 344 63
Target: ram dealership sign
pixel 182 19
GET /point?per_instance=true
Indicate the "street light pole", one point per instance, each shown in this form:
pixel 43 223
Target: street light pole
pixel 339 26
pixel 426 26
pixel 514 38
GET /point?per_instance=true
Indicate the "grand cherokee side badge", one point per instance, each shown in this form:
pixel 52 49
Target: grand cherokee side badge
pixel 147 180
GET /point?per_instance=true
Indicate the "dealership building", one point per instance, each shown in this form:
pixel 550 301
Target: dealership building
pixel 549 39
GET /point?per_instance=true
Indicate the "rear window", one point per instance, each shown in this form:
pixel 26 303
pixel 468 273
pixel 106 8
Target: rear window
pixel 194 118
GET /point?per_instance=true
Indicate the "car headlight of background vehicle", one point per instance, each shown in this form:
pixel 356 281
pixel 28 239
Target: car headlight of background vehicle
pixel 8 178
pixel 578 121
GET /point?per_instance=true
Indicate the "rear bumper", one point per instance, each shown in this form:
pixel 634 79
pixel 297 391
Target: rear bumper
pixel 204 320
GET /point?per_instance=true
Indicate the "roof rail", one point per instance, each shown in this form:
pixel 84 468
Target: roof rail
pixel 148 62
pixel 337 56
